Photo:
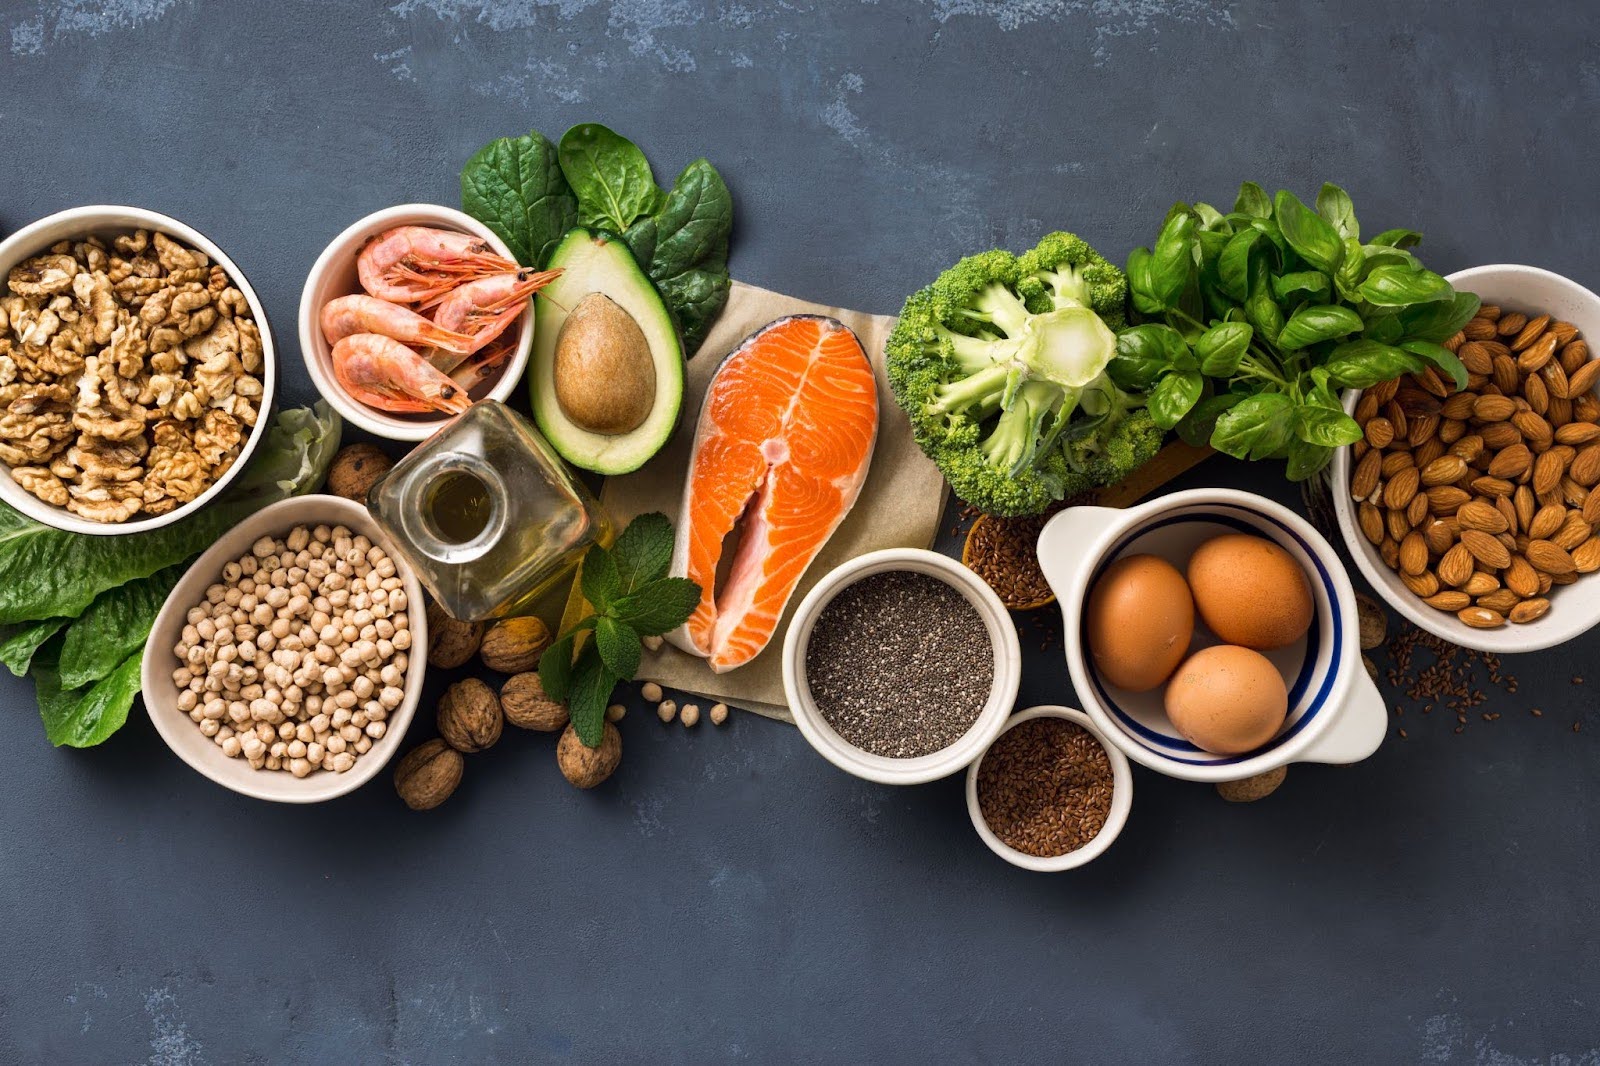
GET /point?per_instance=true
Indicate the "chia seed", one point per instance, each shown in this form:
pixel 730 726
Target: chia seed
pixel 900 664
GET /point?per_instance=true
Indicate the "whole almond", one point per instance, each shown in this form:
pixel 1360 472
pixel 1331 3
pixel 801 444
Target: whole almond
pixel 1573 532
pixel 1577 433
pixel 1468 447
pixel 1445 499
pixel 1529 610
pixel 1366 407
pixel 1365 478
pixel 1371 520
pixel 1475 357
pixel 1424 584
pixel 1537 395
pixel 1490 312
pixel 1499 600
pixel 1559 412
pixel 1507 378
pixel 1448 600
pixel 1397 524
pixel 1546 521
pixel 1389 552
pixel 1459 406
pixel 1521 578
pixel 1423 429
pixel 1489 409
pixel 1456 566
pixel 1511 462
pixel 1492 486
pixel 1414 553
pixel 1560 579
pixel 1486 549
pixel 1585 407
pixel 1531 332
pixel 1555 379
pixel 1536 353
pixel 1401 488
pixel 1417 510
pixel 1428 451
pixel 1564 331
pixel 1380 432
pixel 1480 584
pixel 1481 617
pixel 1445 470
pixel 1511 323
pixel 1482 516
pixel 1451 430
pixel 1479 329
pixel 1547 471
pixel 1534 429
pixel 1586 464
pixel 1573 355
pixel 1397 417
pixel 1385 390
pixel 1573 494
pixel 1524 505
pixel 1394 462
pixel 1590 511
pixel 1508 511
pixel 1439 536
pixel 1581 382
pixel 1550 558
pixel 1586 556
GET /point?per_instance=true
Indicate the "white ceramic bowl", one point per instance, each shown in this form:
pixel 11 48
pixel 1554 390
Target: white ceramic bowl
pixel 334 275
pixel 106 220
pixel 1121 800
pixel 202 753
pixel 1335 712
pixel 1575 608
pixel 990 720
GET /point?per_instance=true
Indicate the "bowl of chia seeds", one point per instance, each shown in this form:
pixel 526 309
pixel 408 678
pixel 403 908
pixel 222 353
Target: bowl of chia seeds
pixel 901 666
pixel 1049 794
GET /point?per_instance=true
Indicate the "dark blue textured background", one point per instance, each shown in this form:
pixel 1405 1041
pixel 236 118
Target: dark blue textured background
pixel 729 895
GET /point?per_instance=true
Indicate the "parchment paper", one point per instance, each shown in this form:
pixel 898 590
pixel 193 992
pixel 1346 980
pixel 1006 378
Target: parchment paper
pixel 900 505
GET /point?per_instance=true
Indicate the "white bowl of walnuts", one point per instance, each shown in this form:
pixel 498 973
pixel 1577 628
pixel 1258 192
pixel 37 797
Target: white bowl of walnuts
pixel 136 370
pixel 1473 512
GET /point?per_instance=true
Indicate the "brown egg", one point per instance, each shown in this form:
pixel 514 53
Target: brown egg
pixel 1250 591
pixel 1139 619
pixel 1227 700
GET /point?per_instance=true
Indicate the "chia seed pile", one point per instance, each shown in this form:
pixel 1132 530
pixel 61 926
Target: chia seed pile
pixel 1044 787
pixel 900 664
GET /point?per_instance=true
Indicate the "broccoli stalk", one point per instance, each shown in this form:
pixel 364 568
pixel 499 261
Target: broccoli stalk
pixel 1001 366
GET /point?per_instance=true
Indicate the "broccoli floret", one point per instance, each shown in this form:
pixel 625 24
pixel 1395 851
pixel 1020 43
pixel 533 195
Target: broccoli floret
pixel 1000 365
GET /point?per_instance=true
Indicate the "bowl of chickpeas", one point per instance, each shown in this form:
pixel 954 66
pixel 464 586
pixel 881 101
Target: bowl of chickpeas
pixel 288 661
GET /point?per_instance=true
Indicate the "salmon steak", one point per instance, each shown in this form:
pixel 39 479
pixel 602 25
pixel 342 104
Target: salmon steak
pixel 780 453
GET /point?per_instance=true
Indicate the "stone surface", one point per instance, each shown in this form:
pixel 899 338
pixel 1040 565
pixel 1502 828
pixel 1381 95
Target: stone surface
pixel 728 895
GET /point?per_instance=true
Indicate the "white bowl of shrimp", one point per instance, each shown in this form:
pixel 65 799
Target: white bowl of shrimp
pixel 411 315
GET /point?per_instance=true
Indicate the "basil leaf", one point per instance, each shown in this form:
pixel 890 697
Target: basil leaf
pixel 610 176
pixel 1438 321
pixel 1172 261
pixel 1352 268
pixel 1398 238
pixel 514 186
pixel 1233 267
pixel 1334 205
pixel 1196 427
pixel 600 581
pixel 1271 231
pixel 18 645
pixel 1144 353
pixel 586 700
pixel 1329 427
pixel 1141 283
pixel 1257 427
pixel 1359 364
pixel 659 607
pixel 114 627
pixel 1396 286
pixel 555 669
pixel 1264 315
pixel 1221 347
pixel 642 552
pixel 1308 233
pixel 690 261
pixel 1210 217
pixel 1440 358
pixel 1173 396
pixel 1385 328
pixel 1376 255
pixel 1322 322
pixel 618 645
pixel 1253 200
pixel 1312 283
pixel 84 717
pixel 1305 459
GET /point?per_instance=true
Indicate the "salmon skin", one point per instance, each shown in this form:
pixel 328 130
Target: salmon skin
pixel 781 450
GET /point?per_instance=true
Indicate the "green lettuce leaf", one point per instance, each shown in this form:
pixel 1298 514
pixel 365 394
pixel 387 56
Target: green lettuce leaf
pixel 20 642
pixel 114 627
pixel 84 717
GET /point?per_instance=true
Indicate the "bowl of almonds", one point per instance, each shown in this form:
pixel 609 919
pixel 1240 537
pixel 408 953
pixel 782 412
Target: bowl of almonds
pixel 1472 511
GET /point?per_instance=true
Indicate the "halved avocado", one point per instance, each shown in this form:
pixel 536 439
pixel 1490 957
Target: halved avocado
pixel 607 370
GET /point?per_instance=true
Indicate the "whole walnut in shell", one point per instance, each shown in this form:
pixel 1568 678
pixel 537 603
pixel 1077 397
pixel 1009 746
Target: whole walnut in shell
pixel 527 706
pixel 584 766
pixel 428 774
pixel 355 469
pixel 1250 789
pixel 469 716
pixel 451 642
pixel 513 645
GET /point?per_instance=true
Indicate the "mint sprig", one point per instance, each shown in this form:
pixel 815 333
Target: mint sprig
pixel 632 597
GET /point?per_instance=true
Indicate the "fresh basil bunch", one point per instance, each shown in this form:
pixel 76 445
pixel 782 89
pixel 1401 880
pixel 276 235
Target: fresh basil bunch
pixel 1252 321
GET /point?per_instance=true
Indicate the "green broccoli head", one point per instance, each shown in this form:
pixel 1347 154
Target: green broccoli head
pixel 1000 366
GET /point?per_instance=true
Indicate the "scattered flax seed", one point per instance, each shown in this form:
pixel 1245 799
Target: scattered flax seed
pixel 1577 680
pixel 1537 713
pixel 1436 673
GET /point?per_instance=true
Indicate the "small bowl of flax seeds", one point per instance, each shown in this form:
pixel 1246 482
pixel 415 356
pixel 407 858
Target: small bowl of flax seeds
pixel 1049 794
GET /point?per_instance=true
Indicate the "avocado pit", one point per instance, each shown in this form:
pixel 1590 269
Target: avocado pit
pixel 605 376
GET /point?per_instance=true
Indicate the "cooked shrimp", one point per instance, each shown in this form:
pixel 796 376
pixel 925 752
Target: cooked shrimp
pixel 481 365
pixel 483 309
pixel 349 315
pixel 383 373
pixel 410 264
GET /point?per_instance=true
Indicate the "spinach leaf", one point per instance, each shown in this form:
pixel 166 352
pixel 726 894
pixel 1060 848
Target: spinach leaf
pixel 610 176
pixel 1397 286
pixel 1253 200
pixel 20 642
pixel 83 717
pixel 1308 233
pixel 1334 205
pixel 1257 427
pixel 1323 322
pixel 1221 347
pixel 1362 363
pixel 514 185
pixel 114 627
pixel 1173 396
pixel 689 263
